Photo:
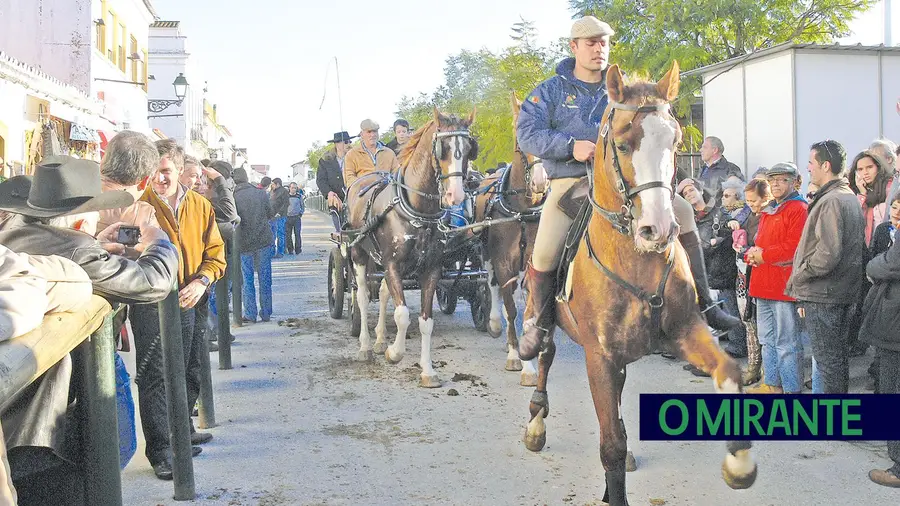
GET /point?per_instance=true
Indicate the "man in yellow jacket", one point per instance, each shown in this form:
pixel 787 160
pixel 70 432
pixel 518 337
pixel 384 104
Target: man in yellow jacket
pixel 369 156
pixel 190 222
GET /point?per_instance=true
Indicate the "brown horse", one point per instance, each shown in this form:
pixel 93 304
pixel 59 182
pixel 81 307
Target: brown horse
pixel 630 279
pixel 402 226
pixel 508 245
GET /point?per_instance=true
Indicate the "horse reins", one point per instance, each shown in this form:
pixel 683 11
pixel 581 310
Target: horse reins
pixel 622 220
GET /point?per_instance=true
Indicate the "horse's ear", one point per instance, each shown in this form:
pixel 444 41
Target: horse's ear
pixel 516 105
pixel 437 115
pixel 615 86
pixel 668 85
pixel 472 116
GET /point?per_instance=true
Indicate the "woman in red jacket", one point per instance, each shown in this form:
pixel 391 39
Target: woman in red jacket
pixel 778 324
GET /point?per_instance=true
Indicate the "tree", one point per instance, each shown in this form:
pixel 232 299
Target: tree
pixel 483 80
pixel 651 33
pixel 314 154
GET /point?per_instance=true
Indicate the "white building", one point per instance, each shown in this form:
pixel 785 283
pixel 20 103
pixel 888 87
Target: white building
pixel 300 173
pixel 770 106
pixel 170 57
pixel 97 46
pixel 30 99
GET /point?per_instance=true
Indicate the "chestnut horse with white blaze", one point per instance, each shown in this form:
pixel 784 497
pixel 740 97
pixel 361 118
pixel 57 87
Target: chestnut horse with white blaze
pixel 508 245
pixel 402 223
pixel 629 285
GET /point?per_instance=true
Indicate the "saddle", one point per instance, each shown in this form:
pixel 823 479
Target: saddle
pixel 574 203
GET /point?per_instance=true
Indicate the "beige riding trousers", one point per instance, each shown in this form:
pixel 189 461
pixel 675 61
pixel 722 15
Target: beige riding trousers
pixel 554 225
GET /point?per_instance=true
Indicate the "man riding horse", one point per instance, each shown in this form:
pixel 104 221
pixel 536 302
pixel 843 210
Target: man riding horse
pixel 560 122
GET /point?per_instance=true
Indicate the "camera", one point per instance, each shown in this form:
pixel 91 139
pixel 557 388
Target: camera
pixel 129 236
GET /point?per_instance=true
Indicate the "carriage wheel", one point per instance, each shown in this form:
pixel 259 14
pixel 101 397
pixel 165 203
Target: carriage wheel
pixel 481 307
pixel 446 300
pixel 355 318
pixel 336 283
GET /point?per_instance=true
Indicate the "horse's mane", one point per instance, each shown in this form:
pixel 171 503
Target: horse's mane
pixel 407 154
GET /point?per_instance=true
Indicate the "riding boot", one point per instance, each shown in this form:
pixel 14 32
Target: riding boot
pixel 715 317
pixel 541 289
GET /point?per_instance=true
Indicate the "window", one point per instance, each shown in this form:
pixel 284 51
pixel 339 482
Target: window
pixel 112 21
pixel 146 66
pixel 121 48
pixel 134 63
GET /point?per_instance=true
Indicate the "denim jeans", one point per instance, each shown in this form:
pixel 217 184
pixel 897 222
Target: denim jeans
pixel 149 375
pixel 278 231
pixel 257 262
pixel 212 297
pixel 829 335
pixel 778 326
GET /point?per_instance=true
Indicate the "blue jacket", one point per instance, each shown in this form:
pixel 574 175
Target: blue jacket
pixel 558 112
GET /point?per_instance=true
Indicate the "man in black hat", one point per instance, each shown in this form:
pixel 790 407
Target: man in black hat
pixel 59 206
pixel 62 187
pixel 330 175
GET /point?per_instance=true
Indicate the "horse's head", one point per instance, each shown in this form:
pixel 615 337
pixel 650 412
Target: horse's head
pixel 453 149
pixel 637 145
pixel 535 177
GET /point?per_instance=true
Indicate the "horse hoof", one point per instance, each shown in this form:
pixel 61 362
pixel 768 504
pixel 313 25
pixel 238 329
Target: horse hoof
pixel 380 348
pixel 494 332
pixel 536 434
pixel 630 462
pixel 365 356
pixel 739 471
pixel 529 379
pixel 513 364
pixel 432 381
pixel 392 357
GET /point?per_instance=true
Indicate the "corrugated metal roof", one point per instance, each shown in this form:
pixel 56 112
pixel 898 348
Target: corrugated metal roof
pixel 734 62
pixel 165 24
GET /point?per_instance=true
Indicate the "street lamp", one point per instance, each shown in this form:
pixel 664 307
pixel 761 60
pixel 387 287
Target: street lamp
pixel 181 86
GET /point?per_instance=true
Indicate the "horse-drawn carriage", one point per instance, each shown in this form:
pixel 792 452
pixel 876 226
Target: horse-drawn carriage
pixel 463 276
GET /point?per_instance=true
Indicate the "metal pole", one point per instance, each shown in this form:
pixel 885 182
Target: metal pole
pixel 237 280
pixel 888 35
pixel 340 102
pixel 176 396
pixel 222 312
pixel 206 412
pixel 104 479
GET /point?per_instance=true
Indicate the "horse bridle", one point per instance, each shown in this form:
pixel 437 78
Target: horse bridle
pixel 437 152
pixel 623 220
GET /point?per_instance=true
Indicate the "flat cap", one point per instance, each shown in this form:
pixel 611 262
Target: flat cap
pixel 368 124
pixel 590 27
pixel 786 168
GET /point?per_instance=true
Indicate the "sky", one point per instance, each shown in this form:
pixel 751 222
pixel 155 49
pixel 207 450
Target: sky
pixel 269 62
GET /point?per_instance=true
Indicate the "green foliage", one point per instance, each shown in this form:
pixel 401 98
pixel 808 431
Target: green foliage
pixel 652 33
pixel 314 154
pixel 484 80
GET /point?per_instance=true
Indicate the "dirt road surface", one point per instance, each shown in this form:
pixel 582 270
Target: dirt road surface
pixel 302 423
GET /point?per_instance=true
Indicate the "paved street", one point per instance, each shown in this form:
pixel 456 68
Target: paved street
pixel 301 423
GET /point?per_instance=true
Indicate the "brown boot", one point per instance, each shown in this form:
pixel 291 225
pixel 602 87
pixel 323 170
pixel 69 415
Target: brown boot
pixel 541 289
pixel 754 356
pixel 885 477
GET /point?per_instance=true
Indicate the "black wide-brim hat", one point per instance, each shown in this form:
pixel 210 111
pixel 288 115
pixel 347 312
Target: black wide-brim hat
pixel 61 185
pixel 342 137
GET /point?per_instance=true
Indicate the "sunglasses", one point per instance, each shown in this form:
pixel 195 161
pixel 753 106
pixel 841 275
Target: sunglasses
pixel 810 195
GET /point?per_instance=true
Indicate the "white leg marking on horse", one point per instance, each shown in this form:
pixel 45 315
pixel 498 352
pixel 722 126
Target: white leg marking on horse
pixel 426 328
pixel 383 294
pixel 362 298
pixel 494 322
pixel 728 387
pixel 396 351
pixel 741 464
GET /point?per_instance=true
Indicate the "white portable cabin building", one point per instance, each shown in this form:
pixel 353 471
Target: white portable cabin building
pixel 771 105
